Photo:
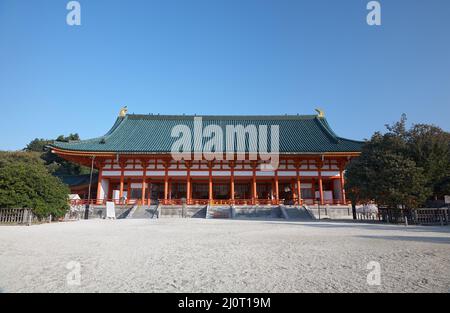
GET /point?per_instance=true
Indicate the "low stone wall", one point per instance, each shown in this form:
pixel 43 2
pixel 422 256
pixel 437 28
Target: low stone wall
pixel 218 212
pixel 99 211
pixel 177 211
pixel 169 211
pixel 335 212
pixel 257 212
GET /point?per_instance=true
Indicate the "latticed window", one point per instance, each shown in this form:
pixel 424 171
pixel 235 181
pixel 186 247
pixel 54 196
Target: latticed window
pixel 221 191
pixel 136 193
pixel 178 190
pixel 307 193
pixel 242 191
pixel 264 190
pixel 200 191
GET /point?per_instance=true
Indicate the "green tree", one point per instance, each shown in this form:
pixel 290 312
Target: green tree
pixel 26 183
pixel 55 164
pixel 387 172
pixel 37 145
pixel 429 147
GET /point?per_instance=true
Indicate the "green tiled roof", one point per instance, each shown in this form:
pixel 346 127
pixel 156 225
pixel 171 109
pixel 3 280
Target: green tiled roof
pixel 152 134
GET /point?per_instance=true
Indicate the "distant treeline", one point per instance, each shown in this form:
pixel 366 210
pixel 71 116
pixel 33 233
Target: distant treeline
pixel 55 164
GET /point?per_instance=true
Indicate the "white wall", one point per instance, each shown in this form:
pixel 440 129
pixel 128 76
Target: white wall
pixel 104 187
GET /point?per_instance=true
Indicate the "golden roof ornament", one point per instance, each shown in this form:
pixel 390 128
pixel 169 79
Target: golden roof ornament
pixel 123 111
pixel 320 113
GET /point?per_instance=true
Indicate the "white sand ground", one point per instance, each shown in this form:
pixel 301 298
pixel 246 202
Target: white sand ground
pixel 197 255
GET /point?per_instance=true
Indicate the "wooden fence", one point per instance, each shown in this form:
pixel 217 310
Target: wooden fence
pixel 19 216
pixel 432 216
pixel 438 216
pixel 368 216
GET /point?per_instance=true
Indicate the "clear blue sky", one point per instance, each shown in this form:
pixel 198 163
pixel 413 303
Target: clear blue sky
pixel 220 57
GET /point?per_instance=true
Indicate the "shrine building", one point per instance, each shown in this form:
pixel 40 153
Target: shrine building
pixel 137 164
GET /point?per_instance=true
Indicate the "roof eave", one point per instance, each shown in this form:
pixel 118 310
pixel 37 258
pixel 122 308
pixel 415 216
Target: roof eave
pixel 114 153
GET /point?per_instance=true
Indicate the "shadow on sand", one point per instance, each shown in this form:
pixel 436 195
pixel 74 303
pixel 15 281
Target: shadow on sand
pixel 440 240
pixel 327 224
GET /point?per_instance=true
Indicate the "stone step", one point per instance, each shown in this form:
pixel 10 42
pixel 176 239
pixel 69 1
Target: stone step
pixel 296 213
pixel 143 212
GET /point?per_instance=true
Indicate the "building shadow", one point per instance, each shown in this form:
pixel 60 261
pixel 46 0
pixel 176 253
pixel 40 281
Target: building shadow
pixel 439 240
pixel 365 226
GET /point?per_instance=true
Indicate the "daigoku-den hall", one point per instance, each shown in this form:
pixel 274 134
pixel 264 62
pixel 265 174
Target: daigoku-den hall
pixel 137 163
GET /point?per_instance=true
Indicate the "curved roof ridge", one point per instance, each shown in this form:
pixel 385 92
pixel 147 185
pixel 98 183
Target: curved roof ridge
pixel 352 140
pixel 326 127
pixel 220 117
pixel 116 125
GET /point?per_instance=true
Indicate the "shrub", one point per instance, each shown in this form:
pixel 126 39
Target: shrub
pixel 26 183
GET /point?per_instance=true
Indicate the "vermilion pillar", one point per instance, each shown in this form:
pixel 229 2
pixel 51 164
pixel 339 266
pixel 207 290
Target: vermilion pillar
pixel 210 188
pixel 320 186
pixel 299 188
pixel 144 165
pixel 342 184
pixel 121 182
pixel 188 184
pixel 277 195
pixel 99 185
pixel 232 183
pixel 166 183
pixel 254 190
pixel 169 196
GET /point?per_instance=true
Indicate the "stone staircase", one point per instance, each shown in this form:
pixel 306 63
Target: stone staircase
pixel 289 212
pixel 293 212
pixel 143 212
pixel 194 211
pixel 123 211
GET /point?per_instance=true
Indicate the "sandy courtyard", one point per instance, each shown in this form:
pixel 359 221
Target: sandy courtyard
pixel 198 255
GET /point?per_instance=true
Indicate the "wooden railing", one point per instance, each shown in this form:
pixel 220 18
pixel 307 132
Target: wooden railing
pixel 432 216
pixel 423 216
pixel 103 201
pixel 329 202
pixel 205 202
pixel 197 201
pixel 243 201
pixel 19 216
pixel 266 201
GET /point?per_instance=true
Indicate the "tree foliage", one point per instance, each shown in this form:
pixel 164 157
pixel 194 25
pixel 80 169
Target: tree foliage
pixel 55 164
pixel 429 147
pixel 26 183
pixel 403 167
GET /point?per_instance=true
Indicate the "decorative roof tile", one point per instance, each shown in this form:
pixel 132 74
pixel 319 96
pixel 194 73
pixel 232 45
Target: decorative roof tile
pixel 152 134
